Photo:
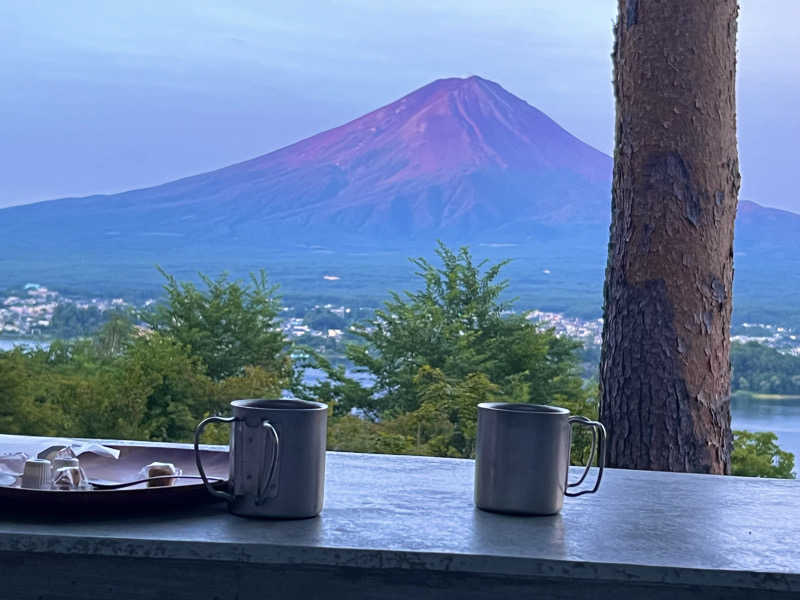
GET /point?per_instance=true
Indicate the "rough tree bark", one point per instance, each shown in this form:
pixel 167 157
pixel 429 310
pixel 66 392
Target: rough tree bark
pixel 665 366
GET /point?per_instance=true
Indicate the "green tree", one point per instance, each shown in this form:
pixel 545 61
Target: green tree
pixel 353 434
pixel 321 319
pixel 341 393
pixel 755 454
pixel 49 390
pixel 229 325
pixel 761 369
pixel 154 390
pixel 458 324
pixel 17 409
pixel 69 321
pixel 433 354
pixel 450 408
pixel 161 390
pixel 153 385
pixel 113 337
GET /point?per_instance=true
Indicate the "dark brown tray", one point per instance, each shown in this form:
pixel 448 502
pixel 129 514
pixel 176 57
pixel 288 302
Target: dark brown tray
pixel 183 493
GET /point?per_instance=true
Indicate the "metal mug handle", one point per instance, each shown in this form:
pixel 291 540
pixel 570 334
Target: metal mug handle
pixel 599 449
pixel 197 433
pixel 262 492
pixel 263 487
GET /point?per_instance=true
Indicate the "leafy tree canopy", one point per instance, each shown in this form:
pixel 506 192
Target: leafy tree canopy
pixel 321 319
pixel 756 454
pixel 760 369
pixel 434 353
pixel 70 321
pixel 229 325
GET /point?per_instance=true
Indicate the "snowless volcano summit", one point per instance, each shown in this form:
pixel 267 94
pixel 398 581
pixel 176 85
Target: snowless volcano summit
pixel 456 157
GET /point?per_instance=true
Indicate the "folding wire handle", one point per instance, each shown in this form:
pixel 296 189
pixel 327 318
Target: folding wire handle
pixel 262 492
pixel 264 486
pixel 598 449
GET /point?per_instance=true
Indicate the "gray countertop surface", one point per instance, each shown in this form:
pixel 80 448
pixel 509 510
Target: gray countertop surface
pixel 404 512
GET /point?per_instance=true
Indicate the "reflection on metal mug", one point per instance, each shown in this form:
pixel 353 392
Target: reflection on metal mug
pixel 277 458
pixel 522 457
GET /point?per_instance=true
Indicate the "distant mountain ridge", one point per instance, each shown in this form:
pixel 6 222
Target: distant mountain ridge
pixel 462 160
pixel 455 157
pixel 762 226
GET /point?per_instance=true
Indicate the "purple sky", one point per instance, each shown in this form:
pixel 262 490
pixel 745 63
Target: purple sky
pixel 108 96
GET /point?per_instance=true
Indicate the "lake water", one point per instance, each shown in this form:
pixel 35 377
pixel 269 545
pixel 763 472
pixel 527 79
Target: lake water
pixel 10 344
pixel 779 416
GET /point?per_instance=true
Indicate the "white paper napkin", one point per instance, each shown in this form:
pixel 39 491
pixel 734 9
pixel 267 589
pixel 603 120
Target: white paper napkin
pixel 14 451
pixel 11 465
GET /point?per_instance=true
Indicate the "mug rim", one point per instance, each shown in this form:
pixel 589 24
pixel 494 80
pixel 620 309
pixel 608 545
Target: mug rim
pixel 285 404
pixel 521 408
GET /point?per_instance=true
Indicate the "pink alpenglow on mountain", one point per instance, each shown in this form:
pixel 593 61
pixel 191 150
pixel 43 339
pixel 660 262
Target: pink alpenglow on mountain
pixel 456 153
pixel 460 160
pixel 447 128
pixel 457 158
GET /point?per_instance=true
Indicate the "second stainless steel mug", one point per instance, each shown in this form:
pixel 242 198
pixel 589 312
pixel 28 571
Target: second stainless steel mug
pixel 522 457
pixel 277 458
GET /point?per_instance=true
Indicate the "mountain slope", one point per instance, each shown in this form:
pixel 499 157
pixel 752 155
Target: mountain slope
pixel 761 227
pixel 457 157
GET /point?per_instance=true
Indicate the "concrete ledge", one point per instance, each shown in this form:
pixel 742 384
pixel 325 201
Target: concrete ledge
pixel 397 526
pixel 123 578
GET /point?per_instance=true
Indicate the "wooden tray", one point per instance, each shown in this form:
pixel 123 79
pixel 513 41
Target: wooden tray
pixel 183 493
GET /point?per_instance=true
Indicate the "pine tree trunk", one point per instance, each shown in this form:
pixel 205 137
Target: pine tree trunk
pixel 665 366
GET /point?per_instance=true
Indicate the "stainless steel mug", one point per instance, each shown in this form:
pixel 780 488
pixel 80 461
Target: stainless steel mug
pixel 277 458
pixel 522 457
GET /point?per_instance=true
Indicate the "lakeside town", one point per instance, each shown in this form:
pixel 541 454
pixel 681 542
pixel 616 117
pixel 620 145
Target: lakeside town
pixel 29 313
pixel 32 313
